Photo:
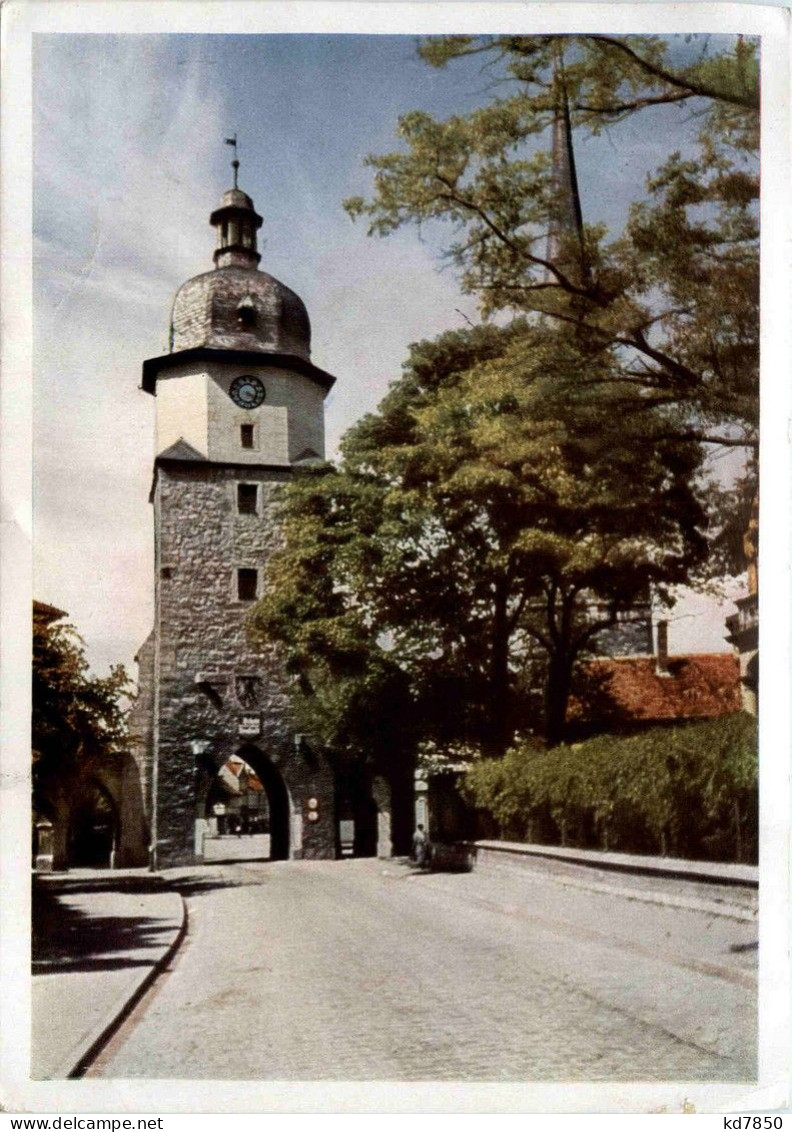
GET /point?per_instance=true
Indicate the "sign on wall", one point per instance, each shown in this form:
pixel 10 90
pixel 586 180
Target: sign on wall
pixel 250 726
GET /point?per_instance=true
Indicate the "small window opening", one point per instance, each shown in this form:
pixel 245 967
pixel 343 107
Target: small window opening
pixel 247 498
pixel 246 435
pixel 246 316
pixel 166 572
pixel 247 584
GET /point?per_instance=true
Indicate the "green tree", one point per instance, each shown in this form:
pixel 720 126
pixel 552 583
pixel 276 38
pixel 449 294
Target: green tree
pixel 78 719
pixel 471 525
pixel 348 693
pixel 676 292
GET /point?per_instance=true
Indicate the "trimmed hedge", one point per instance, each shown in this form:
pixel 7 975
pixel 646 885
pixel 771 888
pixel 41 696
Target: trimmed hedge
pixel 688 790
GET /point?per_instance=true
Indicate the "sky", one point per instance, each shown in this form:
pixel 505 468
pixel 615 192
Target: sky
pixel 129 161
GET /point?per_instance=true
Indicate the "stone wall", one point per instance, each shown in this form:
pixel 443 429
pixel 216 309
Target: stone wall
pixel 141 719
pixel 127 789
pixel 118 777
pixel 202 651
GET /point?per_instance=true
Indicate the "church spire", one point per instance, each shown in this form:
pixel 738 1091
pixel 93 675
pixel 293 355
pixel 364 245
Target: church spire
pixel 565 246
pixel 237 223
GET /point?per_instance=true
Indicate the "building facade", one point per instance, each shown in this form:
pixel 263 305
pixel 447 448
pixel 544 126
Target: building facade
pixel 87 804
pixel 239 405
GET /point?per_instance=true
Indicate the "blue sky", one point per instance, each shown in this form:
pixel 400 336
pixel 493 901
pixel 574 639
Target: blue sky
pixel 129 161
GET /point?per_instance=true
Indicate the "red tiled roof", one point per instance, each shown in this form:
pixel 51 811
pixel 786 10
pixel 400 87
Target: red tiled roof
pixel 238 767
pixel 700 686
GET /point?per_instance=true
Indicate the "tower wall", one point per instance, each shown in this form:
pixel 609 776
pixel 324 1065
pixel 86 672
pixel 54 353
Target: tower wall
pixel 182 410
pixel 194 405
pixel 141 735
pixel 239 402
pixel 202 648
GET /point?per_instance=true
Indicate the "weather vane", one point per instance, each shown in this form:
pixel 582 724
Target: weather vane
pixel 235 163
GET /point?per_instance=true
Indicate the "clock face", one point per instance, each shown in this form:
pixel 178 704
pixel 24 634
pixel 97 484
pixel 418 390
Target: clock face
pixel 247 392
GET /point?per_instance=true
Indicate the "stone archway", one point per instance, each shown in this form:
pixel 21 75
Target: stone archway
pixel 277 797
pixel 272 814
pixel 365 809
pixel 93 827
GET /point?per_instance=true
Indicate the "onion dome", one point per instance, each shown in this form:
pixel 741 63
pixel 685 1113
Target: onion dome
pixel 236 306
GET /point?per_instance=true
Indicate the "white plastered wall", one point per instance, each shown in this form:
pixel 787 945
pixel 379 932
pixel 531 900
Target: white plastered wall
pixel 182 410
pixel 290 420
pixel 195 406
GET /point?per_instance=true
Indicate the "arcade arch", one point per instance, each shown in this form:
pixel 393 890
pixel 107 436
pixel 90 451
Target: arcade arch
pixel 94 828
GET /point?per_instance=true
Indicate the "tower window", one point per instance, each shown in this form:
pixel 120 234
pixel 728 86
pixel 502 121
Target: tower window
pixel 247 584
pixel 246 435
pixel 247 498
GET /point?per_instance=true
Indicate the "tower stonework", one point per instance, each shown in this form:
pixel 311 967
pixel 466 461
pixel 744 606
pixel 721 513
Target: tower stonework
pixel 238 405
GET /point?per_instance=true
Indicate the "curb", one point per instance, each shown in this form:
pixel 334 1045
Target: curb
pixel 104 1032
pixel 500 857
pixel 664 900
pixel 702 872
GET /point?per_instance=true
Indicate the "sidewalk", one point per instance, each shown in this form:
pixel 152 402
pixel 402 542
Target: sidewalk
pixel 712 887
pixel 710 872
pixel 99 939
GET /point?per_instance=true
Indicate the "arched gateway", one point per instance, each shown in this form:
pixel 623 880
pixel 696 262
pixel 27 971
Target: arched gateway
pixel 239 405
pixel 248 798
pixel 93 827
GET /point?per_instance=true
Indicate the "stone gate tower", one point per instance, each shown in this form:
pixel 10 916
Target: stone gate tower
pixel 238 404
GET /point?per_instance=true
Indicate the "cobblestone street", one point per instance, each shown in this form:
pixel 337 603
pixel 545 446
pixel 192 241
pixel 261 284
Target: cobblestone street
pixel 364 970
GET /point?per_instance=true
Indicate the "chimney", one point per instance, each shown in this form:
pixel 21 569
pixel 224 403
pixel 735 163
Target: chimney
pixel 662 649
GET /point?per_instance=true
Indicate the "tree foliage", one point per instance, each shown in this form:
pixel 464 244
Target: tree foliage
pixel 348 693
pixel 78 720
pixel 473 521
pixel 676 292
pixel 522 486
pixel 689 791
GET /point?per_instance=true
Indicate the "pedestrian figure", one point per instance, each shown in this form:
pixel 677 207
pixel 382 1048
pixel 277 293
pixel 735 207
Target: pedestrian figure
pixel 420 847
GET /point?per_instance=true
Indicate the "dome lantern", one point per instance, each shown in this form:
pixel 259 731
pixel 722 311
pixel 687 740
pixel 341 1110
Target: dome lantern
pixel 237 223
